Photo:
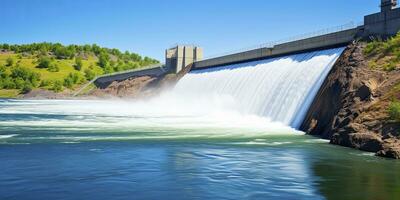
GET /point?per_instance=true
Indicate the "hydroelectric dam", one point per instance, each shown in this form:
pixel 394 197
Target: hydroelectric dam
pixel 278 81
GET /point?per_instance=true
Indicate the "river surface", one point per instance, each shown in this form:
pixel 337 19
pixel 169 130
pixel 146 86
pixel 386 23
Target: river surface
pixel 96 150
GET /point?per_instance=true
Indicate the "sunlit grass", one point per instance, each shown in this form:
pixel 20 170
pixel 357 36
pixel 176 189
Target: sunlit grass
pixel 9 93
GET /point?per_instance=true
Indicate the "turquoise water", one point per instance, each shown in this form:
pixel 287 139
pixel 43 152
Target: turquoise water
pixel 53 150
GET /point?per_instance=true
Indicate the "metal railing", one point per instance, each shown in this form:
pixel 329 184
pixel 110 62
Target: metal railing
pixel 344 27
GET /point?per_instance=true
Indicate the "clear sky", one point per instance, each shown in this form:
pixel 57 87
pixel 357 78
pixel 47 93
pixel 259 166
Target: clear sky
pixel 149 27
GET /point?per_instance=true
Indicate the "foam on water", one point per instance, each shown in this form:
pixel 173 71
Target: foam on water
pixel 7 136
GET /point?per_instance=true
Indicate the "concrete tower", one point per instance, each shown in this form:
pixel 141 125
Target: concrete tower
pixel 387 5
pixel 179 57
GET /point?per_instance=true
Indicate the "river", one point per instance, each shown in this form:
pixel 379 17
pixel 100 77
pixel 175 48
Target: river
pixel 96 150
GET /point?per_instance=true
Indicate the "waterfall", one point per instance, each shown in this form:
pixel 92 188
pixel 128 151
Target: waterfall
pixel 252 99
pixel 280 89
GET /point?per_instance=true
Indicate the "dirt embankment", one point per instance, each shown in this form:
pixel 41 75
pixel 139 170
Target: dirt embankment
pixel 139 87
pixel 351 108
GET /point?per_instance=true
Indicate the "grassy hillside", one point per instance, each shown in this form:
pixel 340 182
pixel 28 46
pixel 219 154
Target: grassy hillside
pixel 56 67
pixel 384 56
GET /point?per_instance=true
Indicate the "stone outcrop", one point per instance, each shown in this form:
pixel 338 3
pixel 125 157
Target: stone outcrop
pixel 351 106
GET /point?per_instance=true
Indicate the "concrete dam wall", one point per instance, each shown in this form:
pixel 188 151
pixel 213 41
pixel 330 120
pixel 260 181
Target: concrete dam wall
pixel 155 70
pixel 327 41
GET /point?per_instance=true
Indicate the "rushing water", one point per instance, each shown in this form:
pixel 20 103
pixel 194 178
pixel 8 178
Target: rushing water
pixel 225 133
pixel 281 89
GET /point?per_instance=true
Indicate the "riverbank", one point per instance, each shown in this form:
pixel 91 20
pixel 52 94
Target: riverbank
pixel 352 107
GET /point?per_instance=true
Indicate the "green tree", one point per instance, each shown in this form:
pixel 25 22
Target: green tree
pixel 78 63
pixel 71 80
pixel 3 72
pixel 44 62
pixel 19 83
pixel 57 86
pixel 6 47
pixel 22 76
pixel 108 69
pixel 103 60
pixel 68 82
pixel 96 49
pixel 27 88
pixel 8 83
pixel 21 72
pixel 45 83
pixel 10 62
pixel 62 52
pixel 89 74
pixel 53 67
pixel 34 79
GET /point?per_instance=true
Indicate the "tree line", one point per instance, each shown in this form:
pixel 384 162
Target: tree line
pixel 70 51
pixel 46 54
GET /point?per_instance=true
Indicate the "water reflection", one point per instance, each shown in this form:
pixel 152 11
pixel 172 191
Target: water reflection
pixel 358 178
pixel 294 169
pixel 241 172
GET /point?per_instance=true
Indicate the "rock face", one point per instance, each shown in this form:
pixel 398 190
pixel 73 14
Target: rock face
pixel 351 106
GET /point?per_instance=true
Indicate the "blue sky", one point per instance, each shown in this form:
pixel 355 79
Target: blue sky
pixel 149 27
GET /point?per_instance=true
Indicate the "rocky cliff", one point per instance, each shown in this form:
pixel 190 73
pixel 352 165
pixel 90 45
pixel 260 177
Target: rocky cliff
pixel 351 108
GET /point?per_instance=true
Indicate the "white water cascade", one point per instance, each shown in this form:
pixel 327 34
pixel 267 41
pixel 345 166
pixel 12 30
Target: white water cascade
pixel 253 99
pixel 280 89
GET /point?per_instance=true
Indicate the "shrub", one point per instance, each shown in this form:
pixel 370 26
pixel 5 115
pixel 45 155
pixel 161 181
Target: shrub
pixel 118 68
pixel 68 83
pixel 34 79
pixel 71 80
pixel 372 65
pixel 89 74
pixel 62 52
pixel 108 70
pixel 3 72
pixel 44 62
pixel 45 83
pixel 10 62
pixel 389 66
pixel 27 88
pixel 53 68
pixel 25 74
pixel 19 83
pixel 394 111
pixel 57 86
pixel 103 60
pixel 21 72
pixel 78 63
pixel 8 83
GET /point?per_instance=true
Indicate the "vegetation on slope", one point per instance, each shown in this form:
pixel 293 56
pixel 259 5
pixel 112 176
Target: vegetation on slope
pixel 384 55
pixel 56 67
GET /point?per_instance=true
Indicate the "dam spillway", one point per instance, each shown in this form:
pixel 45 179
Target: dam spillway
pixel 247 100
pixel 280 89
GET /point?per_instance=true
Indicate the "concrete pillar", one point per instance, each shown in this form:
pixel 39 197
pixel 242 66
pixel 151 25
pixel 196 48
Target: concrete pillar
pixel 387 5
pixel 179 57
